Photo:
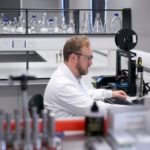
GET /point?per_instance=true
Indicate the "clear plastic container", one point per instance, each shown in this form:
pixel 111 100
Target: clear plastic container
pixel 115 23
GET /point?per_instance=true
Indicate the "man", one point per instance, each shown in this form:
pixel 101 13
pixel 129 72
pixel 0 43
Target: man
pixel 66 95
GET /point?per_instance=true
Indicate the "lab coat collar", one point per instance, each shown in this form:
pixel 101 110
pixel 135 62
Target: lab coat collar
pixel 69 73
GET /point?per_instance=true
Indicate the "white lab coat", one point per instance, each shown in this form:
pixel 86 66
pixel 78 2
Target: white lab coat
pixel 67 96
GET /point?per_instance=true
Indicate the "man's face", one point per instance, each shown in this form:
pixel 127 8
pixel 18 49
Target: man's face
pixel 85 57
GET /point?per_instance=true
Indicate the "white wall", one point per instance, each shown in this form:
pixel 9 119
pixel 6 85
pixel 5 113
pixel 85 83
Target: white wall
pixel 41 4
pixel 80 4
pixel 140 19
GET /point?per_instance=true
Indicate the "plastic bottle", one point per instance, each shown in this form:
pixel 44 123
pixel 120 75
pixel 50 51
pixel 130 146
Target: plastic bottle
pixel 139 89
pixel 98 26
pixel 115 23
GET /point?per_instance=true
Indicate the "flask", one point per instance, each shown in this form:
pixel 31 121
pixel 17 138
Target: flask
pixel 107 26
pixel 12 26
pixel 115 23
pixel 139 89
pixel 86 23
pixel 98 26
pixel 21 26
pixel 56 25
pixel 33 25
pixel 44 28
pixel 71 26
pixel 63 26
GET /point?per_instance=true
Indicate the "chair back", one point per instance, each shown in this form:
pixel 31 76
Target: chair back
pixel 36 101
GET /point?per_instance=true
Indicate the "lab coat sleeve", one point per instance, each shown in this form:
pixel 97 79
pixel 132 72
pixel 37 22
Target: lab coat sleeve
pixel 99 93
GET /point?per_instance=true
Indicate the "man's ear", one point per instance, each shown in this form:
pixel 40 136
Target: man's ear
pixel 73 57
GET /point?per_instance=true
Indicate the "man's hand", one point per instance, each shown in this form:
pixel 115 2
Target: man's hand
pixel 120 94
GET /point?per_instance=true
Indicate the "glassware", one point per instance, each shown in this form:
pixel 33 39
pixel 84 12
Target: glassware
pixel 63 26
pixel 12 26
pixel 71 26
pixel 21 26
pixel 33 25
pixel 56 25
pixel 44 28
pixel 1 21
pixel 86 23
pixel 107 26
pixel 115 23
pixel 98 26
pixel 5 26
pixel 50 26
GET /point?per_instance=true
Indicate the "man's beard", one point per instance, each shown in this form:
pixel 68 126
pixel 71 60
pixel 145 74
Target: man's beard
pixel 81 70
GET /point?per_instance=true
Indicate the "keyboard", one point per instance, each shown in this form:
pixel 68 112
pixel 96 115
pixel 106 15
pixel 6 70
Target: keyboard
pixel 117 100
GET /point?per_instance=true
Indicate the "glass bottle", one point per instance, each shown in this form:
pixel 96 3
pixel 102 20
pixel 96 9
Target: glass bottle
pixel 98 26
pixel 44 28
pixel 63 26
pixel 115 23
pixel 33 25
pixel 71 25
pixel 1 21
pixel 5 26
pixel 12 26
pixel 60 56
pixel 50 26
pixel 107 26
pixel 21 26
pixel 86 26
pixel 56 25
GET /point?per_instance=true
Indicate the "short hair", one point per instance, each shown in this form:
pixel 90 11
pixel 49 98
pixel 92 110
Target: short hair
pixel 74 44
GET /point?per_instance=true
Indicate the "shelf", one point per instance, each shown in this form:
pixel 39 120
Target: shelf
pixel 51 43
